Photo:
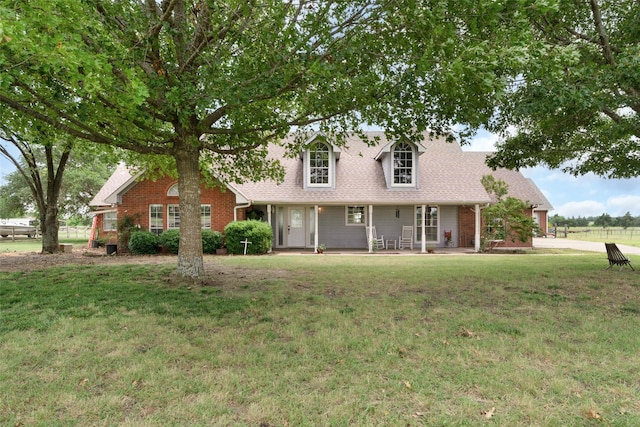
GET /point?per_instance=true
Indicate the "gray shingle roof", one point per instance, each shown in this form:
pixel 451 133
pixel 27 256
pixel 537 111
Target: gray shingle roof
pixel 447 175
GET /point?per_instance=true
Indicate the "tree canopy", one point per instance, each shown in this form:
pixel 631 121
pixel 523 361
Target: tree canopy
pixel 204 82
pixel 577 104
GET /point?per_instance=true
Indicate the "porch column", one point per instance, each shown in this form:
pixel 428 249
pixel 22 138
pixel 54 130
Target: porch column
pixel 316 238
pixel 269 222
pixel 370 236
pixel 423 233
pixel 477 235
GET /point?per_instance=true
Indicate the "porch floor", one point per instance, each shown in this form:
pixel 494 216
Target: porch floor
pixel 389 252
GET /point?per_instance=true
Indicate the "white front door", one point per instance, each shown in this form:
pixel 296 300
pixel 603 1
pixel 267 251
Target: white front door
pixel 296 228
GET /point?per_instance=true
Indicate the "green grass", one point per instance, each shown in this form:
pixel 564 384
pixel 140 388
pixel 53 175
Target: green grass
pixel 324 340
pixel 23 244
pixel 629 236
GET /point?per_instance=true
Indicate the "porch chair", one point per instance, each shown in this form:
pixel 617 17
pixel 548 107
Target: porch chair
pixel 377 242
pixel 406 238
pixel 616 257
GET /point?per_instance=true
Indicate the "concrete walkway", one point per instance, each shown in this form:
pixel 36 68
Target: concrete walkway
pixel 540 242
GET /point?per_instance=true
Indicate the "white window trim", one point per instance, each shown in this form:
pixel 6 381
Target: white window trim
pixel 113 221
pixel 412 184
pixel 173 191
pixel 346 216
pixel 418 235
pixel 210 217
pixel 330 168
pixel 169 225
pixel 150 218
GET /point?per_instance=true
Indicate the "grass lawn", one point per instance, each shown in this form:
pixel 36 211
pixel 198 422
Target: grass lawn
pixel 23 244
pixel 625 236
pixel 326 340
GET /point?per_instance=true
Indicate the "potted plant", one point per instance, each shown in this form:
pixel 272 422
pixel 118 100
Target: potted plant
pixel 321 248
pixel 431 249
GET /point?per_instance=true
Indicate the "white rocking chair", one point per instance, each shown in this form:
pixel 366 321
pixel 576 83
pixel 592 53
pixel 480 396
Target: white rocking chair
pixel 376 242
pixel 406 239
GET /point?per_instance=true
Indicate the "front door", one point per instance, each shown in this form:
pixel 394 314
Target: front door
pixel 295 228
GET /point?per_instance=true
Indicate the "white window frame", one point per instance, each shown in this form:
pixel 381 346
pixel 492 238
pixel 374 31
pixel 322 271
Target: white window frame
pixel 311 158
pixel 353 211
pixel 407 153
pixel 173 191
pixel 205 220
pixel 153 220
pixel 432 222
pixel 173 216
pixel 110 221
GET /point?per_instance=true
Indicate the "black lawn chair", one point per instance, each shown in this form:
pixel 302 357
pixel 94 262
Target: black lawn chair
pixel 616 257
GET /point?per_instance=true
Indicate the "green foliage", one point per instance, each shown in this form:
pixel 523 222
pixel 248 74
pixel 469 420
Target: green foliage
pixel 170 240
pixel 211 240
pixel 127 225
pixel 143 243
pixel 508 219
pixel 576 104
pixel 258 233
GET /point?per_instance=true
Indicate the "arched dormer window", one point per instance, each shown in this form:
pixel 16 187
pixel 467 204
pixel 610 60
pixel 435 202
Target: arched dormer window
pixel 319 164
pixel 173 191
pixel 403 165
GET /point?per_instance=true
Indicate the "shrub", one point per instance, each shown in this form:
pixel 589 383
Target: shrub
pixel 258 233
pixel 211 240
pixel 170 240
pixel 143 243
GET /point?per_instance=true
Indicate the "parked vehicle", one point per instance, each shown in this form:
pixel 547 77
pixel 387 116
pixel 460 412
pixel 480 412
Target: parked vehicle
pixel 9 228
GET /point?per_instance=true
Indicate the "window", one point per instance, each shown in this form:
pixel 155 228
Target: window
pixel 496 229
pixel 155 219
pixel 403 164
pixel 173 216
pixel 431 223
pixel 173 190
pixel 205 216
pixel 319 157
pixel 356 215
pixel 110 221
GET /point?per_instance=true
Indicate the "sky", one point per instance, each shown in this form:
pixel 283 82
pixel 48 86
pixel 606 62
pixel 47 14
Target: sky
pixel 583 196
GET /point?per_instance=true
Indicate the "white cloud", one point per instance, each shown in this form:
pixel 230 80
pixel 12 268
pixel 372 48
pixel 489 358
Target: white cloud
pixel 581 209
pixel 619 205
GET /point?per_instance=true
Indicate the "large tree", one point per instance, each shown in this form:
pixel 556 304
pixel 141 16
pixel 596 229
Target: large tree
pixel 577 105
pixel 206 82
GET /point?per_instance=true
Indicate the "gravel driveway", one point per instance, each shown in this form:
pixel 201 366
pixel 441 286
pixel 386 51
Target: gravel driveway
pixel 540 242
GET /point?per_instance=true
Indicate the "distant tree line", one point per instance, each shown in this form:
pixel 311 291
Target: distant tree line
pixel 604 220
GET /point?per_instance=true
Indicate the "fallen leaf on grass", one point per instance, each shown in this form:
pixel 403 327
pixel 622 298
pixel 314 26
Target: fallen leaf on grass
pixel 592 414
pixel 488 414
pixel 464 332
pixel 407 384
pixel 83 382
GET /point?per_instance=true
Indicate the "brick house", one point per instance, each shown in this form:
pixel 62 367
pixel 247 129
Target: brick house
pixel 331 193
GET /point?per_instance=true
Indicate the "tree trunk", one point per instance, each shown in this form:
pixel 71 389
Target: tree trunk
pixel 49 229
pixel 190 261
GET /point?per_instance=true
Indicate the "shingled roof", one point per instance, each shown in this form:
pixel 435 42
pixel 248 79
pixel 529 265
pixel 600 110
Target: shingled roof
pixel 447 176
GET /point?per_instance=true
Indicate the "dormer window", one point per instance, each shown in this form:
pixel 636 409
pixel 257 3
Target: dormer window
pixel 403 165
pixel 319 165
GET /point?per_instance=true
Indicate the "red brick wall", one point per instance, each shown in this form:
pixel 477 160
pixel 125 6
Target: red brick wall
pixel 136 201
pixel 466 224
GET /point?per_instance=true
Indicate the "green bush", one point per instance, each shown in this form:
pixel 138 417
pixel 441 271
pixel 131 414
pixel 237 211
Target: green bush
pixel 170 240
pixel 258 233
pixel 211 240
pixel 143 243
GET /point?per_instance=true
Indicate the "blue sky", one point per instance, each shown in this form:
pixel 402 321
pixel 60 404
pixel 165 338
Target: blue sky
pixel 586 195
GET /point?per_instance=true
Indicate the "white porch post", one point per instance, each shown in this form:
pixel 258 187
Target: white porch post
pixel 370 236
pixel 269 222
pixel 316 238
pixel 423 233
pixel 477 235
